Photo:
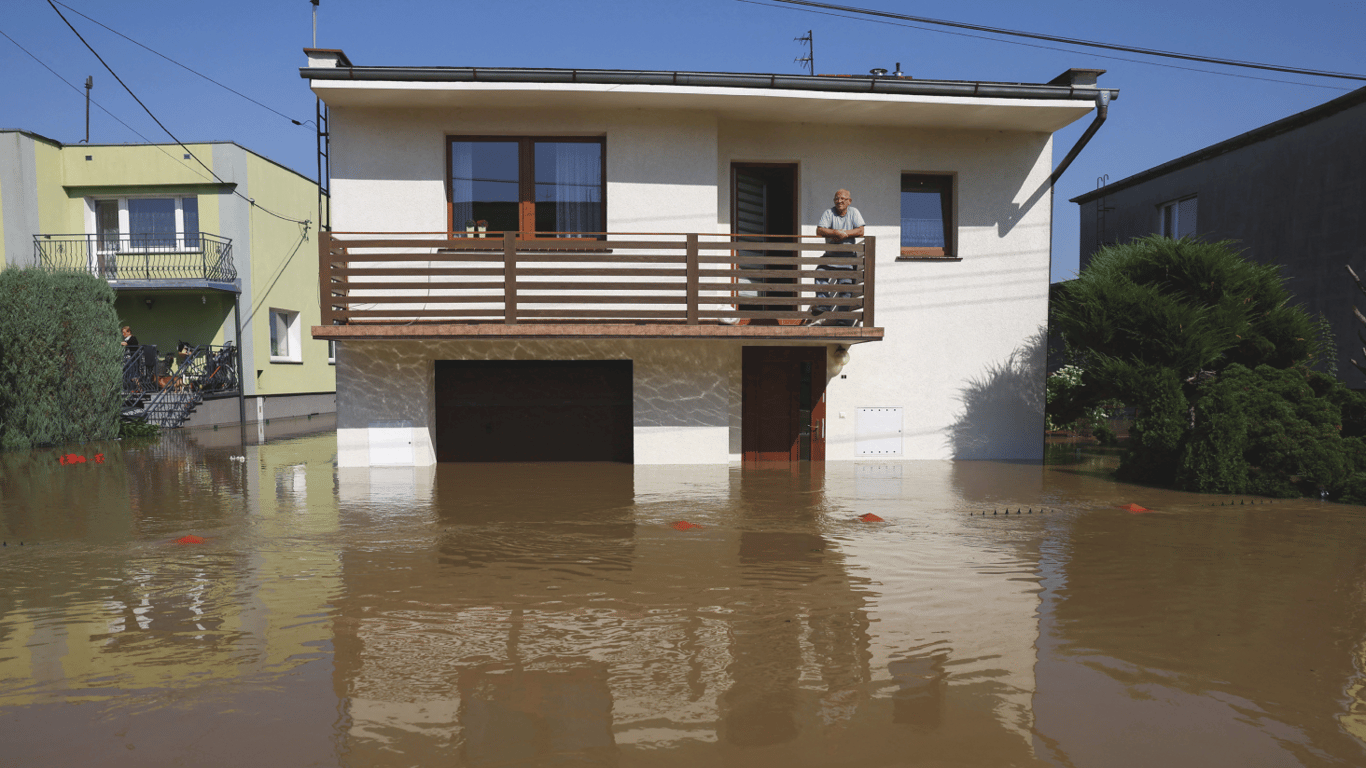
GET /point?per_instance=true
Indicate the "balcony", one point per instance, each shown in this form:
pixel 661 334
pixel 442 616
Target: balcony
pixel 197 260
pixel 498 285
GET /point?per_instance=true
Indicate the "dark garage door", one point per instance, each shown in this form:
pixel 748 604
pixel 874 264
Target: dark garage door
pixel 533 410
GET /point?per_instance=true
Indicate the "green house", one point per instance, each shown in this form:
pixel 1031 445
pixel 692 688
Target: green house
pixel 209 246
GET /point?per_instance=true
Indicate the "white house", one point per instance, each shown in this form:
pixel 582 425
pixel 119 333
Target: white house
pixel 534 264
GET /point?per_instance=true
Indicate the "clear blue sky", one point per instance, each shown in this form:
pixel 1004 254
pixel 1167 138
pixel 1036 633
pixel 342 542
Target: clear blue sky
pixel 254 46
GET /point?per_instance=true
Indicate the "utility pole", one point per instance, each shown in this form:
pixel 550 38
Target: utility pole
pixel 315 22
pixel 89 83
pixel 810 59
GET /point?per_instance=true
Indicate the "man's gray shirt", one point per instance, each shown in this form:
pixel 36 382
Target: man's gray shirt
pixel 851 219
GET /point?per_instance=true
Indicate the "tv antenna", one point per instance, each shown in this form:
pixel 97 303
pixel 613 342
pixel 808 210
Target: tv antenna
pixel 809 60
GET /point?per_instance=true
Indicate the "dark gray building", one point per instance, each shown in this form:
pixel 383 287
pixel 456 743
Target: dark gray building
pixel 1292 192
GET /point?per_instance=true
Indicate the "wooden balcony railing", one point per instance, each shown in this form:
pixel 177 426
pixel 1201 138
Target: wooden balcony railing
pixel 405 278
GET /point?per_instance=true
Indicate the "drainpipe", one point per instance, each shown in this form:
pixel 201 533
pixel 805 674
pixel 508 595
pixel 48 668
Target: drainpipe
pixel 241 374
pixel 1102 110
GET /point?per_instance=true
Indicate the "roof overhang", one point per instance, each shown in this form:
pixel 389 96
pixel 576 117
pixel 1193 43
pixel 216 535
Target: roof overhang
pixel 862 101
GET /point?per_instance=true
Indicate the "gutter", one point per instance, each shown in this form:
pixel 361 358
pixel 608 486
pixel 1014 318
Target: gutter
pixel 882 85
pixel 1102 111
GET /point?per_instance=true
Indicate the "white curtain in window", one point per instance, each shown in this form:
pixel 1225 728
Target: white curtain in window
pixel 462 183
pixel 578 181
pixel 151 221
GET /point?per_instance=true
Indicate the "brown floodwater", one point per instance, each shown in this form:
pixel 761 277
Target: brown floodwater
pixel 528 615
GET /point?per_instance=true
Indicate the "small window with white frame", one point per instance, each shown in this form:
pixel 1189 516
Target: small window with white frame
pixel 332 351
pixel 138 224
pixel 1176 219
pixel 284 337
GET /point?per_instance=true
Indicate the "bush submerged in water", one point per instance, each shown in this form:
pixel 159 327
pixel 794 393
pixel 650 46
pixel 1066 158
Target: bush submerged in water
pixel 1218 362
pixel 60 358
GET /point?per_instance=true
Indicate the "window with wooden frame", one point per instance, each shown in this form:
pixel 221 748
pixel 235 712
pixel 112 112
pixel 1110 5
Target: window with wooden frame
pixel 536 186
pixel 927 229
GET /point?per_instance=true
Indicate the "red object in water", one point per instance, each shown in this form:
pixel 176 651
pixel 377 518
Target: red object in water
pixel 191 539
pixel 99 458
pixel 684 525
pixel 871 518
pixel 1134 508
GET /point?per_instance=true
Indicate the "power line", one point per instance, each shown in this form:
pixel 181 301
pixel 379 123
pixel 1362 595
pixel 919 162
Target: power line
pixel 1052 48
pixel 101 106
pixel 163 127
pixel 182 66
pixel 1083 43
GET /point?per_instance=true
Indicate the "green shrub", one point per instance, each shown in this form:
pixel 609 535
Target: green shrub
pixel 1159 427
pixel 60 358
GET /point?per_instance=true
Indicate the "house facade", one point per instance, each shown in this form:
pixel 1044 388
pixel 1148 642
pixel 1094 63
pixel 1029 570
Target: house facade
pixel 1288 193
pixel 218 259
pixel 565 264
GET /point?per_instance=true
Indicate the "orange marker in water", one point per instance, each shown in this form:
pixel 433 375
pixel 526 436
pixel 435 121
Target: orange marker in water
pixel 684 525
pixel 871 518
pixel 191 539
pixel 1134 508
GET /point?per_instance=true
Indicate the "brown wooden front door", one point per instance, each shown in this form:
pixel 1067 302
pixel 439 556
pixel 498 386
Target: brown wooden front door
pixel 782 410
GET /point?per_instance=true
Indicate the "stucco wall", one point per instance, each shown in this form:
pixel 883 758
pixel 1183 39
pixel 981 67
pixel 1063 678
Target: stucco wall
pixel 960 355
pixel 686 392
pixel 963 353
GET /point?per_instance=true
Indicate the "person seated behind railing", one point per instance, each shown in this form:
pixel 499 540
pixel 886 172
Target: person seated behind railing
pixel 130 342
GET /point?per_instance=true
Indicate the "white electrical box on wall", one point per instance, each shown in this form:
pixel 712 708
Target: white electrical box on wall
pixel 877 432
pixel 391 443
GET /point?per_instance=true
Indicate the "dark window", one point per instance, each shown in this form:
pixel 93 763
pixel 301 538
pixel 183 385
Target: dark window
pixel 1178 218
pixel 552 187
pixel 926 215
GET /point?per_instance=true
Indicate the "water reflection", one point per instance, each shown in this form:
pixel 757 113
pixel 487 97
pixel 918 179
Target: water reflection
pixel 535 614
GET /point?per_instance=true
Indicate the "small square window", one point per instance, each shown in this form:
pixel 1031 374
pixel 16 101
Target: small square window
pixel 926 215
pixel 284 336
pixel 1177 218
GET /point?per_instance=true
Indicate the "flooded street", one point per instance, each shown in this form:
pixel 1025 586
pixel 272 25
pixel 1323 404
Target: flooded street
pixel 526 615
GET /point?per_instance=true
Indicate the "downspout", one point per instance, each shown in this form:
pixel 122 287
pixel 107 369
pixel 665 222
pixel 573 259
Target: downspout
pixel 1102 111
pixel 241 374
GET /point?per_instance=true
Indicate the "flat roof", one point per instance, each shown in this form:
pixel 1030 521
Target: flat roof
pixel 60 145
pixel 1268 131
pixel 862 99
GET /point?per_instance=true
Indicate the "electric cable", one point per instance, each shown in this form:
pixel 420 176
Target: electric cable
pixel 182 66
pixel 77 89
pixel 1081 42
pixel 163 127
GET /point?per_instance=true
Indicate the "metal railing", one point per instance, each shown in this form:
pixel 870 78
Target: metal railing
pixel 165 392
pixel 189 256
pixel 615 278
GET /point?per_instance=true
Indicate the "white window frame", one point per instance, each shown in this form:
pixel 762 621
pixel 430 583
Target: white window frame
pixel 293 348
pixel 92 224
pixel 332 351
pixel 1174 208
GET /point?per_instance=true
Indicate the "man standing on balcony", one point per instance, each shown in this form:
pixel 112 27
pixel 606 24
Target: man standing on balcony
pixel 839 225
pixel 129 340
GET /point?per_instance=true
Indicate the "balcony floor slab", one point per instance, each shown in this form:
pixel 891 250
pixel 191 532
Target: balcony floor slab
pixel 791 333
